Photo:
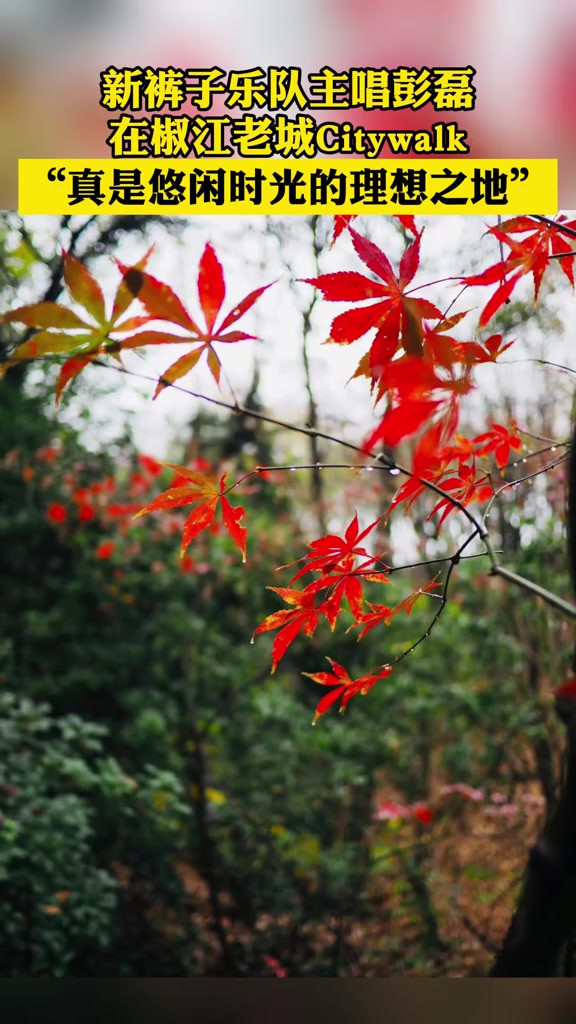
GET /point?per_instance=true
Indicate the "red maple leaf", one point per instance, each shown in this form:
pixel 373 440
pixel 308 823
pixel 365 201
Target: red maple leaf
pixel 381 613
pixel 343 686
pixel 205 495
pixel 303 617
pixel 327 553
pixel 396 316
pixel 548 239
pixel 150 465
pixel 420 393
pixel 335 558
pixel 453 469
pixel 342 221
pixel 532 255
pixel 467 486
pixel 378 614
pixel 500 441
pixel 161 303
pixel 486 351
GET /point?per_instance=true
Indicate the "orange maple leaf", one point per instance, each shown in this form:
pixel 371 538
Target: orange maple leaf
pixel 205 494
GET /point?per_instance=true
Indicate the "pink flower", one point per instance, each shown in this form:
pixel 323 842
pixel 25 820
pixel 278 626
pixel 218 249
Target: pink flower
pixel 391 812
pixel 461 789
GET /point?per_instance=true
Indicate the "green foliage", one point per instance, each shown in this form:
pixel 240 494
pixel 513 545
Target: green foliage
pixel 68 810
pixel 172 752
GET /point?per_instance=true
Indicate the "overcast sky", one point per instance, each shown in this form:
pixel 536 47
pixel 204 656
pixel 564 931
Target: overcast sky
pixel 253 256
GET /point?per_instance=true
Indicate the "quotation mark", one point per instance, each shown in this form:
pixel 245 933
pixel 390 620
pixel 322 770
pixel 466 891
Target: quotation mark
pixel 57 175
pixel 518 173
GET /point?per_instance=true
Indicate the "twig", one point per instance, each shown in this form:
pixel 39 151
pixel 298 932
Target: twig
pixel 555 224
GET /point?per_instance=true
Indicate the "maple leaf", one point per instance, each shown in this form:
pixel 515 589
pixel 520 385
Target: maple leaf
pixel 548 239
pixel 327 553
pixel 341 222
pixel 467 486
pixel 418 394
pixel 82 339
pixel 500 441
pixel 162 303
pixel 303 617
pixel 343 686
pixel 441 349
pixel 407 603
pixel 401 421
pixel 452 468
pixel 485 352
pixel 429 463
pixel 397 317
pixel 501 296
pixel 530 256
pixel 378 614
pixel 340 585
pixel 341 576
pixel 381 614
pixel 427 388
pixel 409 223
pixel 150 465
pixel 205 495
pixel 497 272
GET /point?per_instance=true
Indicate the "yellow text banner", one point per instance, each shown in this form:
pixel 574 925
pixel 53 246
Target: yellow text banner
pixel 276 186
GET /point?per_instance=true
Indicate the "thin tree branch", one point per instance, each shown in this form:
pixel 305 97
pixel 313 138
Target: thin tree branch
pixel 555 224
